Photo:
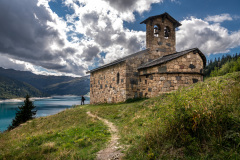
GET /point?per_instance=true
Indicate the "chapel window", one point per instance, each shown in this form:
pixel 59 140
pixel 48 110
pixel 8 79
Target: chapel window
pixel 118 78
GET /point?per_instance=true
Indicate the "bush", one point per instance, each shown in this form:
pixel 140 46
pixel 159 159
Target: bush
pixel 131 100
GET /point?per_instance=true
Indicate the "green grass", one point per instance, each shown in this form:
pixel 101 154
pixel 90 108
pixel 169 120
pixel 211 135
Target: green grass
pixel 70 134
pixel 201 121
pixel 198 122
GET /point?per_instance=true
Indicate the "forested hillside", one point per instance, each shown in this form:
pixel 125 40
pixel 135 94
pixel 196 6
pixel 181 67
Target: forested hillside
pixel 229 61
pixel 49 85
pixel 77 86
pixel 10 88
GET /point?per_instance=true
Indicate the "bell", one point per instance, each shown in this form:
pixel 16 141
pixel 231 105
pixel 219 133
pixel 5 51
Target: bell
pixel 166 33
pixel 156 31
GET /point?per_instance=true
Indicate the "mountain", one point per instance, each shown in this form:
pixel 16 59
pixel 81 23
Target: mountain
pixel 50 85
pixel 10 88
pixel 77 86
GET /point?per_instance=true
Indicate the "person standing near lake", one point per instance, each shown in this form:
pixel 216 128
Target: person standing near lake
pixel 82 100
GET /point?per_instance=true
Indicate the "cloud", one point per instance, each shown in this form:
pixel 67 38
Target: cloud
pixel 7 62
pixel 127 7
pixel 209 38
pixel 219 18
pixel 34 34
pixel 102 27
pixel 133 5
pixel 90 52
pixel 31 32
pixel 34 38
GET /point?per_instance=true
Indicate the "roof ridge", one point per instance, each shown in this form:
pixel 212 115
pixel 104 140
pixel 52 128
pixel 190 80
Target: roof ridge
pixel 117 60
pixel 170 57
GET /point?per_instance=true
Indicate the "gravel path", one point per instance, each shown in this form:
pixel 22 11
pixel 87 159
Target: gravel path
pixel 113 150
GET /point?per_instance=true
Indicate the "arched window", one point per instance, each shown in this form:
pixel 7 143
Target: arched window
pixel 156 30
pixel 118 78
pixel 166 32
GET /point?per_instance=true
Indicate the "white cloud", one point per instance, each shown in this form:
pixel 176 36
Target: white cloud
pixel 219 18
pixel 102 25
pixel 209 38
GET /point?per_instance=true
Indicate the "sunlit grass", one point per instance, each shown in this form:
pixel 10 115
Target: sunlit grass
pixel 197 122
pixel 70 134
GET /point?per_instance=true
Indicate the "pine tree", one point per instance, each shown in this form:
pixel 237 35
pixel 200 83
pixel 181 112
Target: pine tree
pixel 24 113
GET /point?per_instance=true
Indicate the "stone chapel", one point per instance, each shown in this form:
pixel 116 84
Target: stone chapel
pixel 148 73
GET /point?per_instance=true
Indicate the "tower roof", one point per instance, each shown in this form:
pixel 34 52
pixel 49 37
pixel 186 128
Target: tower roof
pixel 164 15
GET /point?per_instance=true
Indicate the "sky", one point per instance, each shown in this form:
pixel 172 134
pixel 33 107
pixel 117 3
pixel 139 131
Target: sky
pixel 70 37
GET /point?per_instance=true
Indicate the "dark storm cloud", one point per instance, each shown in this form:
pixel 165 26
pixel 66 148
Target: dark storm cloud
pixel 122 5
pixel 90 18
pixel 25 34
pixel 133 45
pixel 90 52
pixel 20 32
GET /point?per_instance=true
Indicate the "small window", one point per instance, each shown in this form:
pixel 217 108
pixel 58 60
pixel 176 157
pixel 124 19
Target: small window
pixel 166 32
pixel 118 78
pixel 156 30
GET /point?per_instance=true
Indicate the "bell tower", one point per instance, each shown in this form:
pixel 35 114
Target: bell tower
pixel 160 34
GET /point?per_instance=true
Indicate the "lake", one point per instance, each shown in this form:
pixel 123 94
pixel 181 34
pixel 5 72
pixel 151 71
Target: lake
pixel 44 106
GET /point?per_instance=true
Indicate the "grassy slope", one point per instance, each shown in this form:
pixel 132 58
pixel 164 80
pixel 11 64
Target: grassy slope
pixel 198 122
pixel 70 134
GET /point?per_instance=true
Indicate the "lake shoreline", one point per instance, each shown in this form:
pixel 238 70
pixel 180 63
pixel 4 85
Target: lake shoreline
pixel 45 106
pixel 37 98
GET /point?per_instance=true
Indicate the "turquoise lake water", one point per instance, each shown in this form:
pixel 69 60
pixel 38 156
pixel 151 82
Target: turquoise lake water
pixel 45 107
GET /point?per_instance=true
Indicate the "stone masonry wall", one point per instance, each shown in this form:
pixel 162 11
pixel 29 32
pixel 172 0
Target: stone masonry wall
pixel 182 71
pixel 154 84
pixel 132 81
pixel 160 46
pixel 105 87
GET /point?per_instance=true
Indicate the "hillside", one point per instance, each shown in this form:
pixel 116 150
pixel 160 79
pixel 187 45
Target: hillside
pixel 201 121
pixel 77 86
pixel 50 85
pixel 10 88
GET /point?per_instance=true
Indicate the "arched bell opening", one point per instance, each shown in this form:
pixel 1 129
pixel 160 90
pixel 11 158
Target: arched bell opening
pixel 166 32
pixel 156 30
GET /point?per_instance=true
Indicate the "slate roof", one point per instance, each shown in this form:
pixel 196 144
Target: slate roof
pixel 118 61
pixel 173 56
pixel 164 15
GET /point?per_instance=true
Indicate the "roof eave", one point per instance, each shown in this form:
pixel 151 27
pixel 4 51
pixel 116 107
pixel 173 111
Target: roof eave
pixel 117 61
pixel 176 23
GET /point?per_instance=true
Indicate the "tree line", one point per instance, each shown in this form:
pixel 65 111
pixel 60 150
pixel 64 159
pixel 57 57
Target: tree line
pixel 222 65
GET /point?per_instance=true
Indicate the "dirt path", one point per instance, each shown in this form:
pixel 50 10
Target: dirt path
pixel 112 151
